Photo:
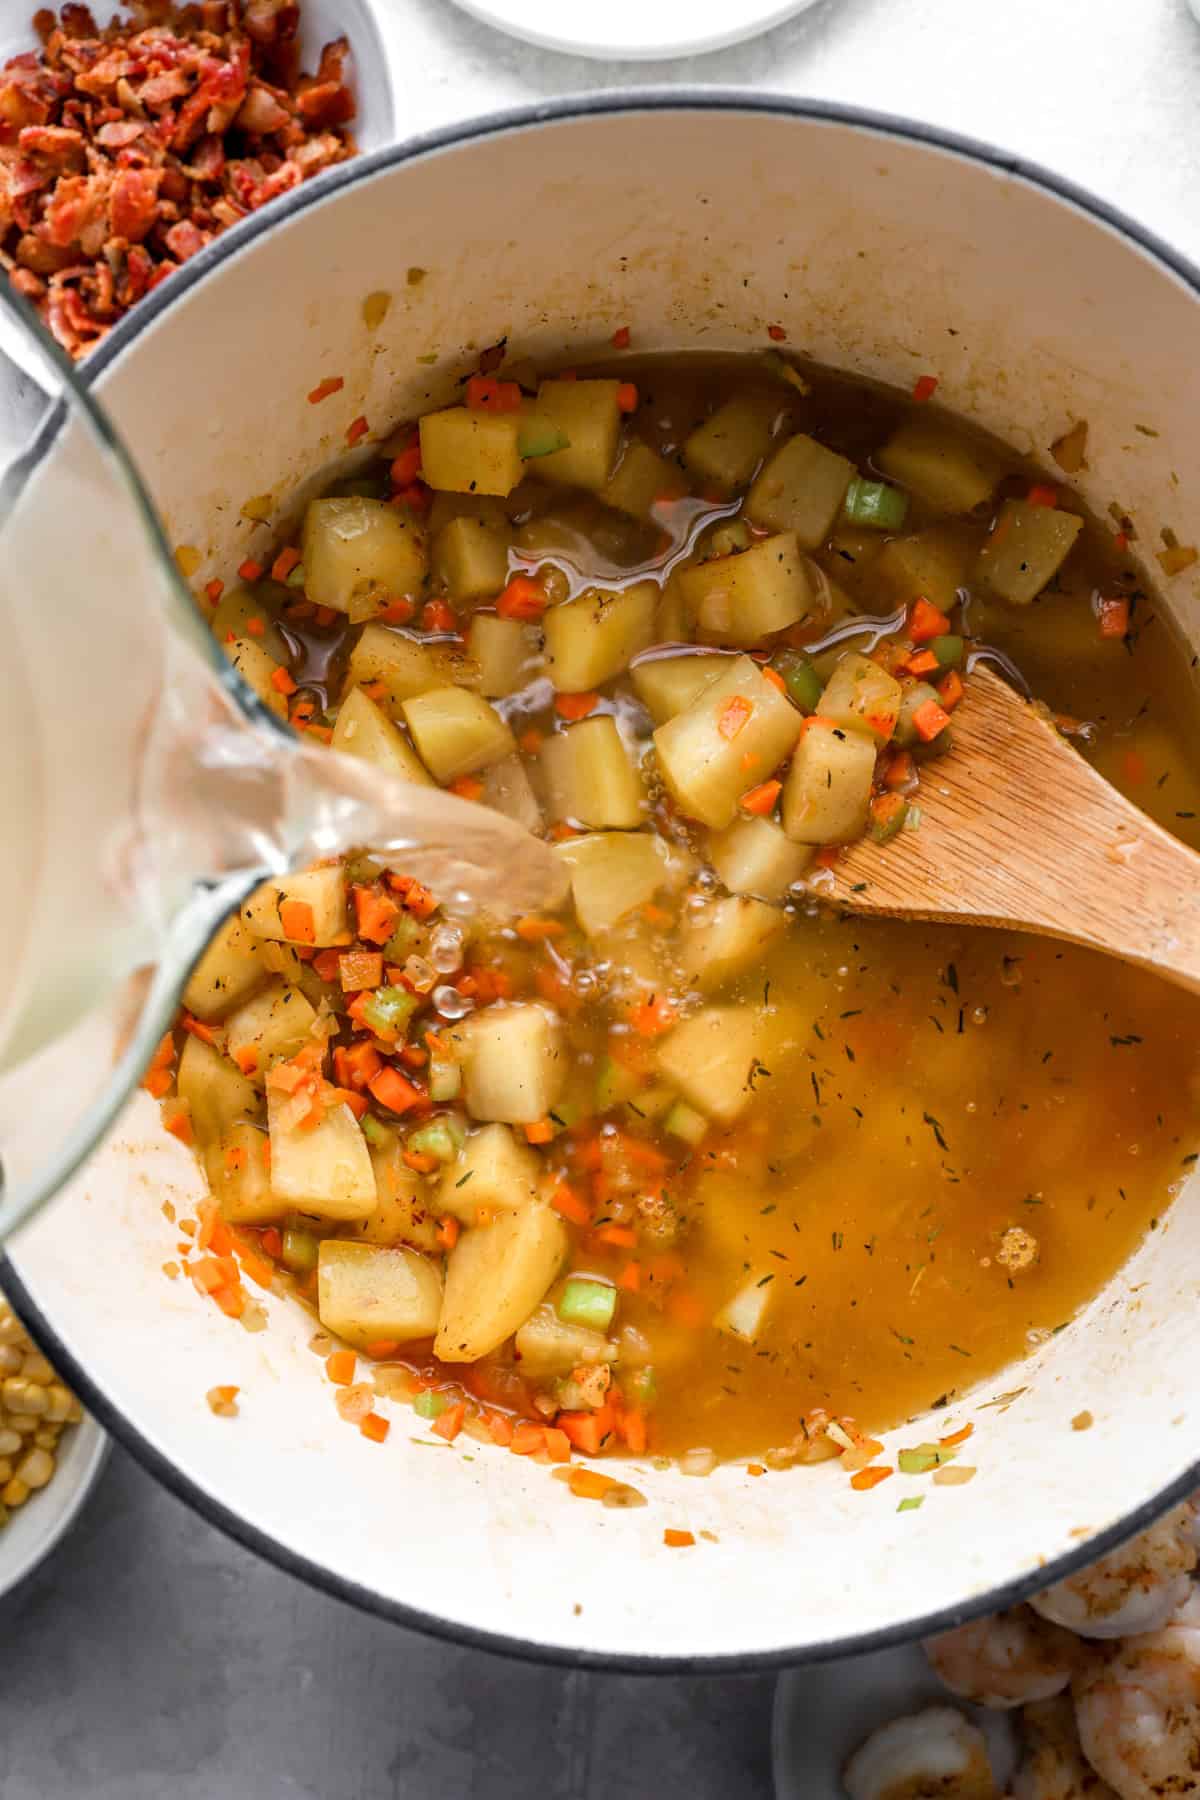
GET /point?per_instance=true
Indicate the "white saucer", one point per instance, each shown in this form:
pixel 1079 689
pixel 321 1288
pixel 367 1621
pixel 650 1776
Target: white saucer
pixel 633 30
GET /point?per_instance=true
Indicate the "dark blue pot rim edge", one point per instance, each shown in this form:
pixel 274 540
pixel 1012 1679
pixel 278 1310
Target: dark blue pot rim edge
pixel 634 100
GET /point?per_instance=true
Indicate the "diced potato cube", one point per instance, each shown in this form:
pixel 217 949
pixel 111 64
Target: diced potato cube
pixel 403 664
pixel 323 890
pixel 641 480
pixel 741 599
pixel 727 936
pixel 725 451
pixel 366 1293
pixel 505 654
pixel 590 776
pixel 932 563
pixel 753 856
pixel 402 1212
pixel 364 730
pixel 595 637
pixel 495 1276
pixel 862 697
pixel 471 452
pixel 666 684
pixel 1027 547
pixel 508 790
pixel 231 619
pixel 492 1170
pixel 360 553
pixel 587 414
pixel 545 1345
pixel 324 1168
pixel 611 873
pixel 713 1059
pixel 671 625
pixel 456 732
pixel 732 736
pixel 513 1061
pixel 801 489
pixel 848 559
pixel 937 463
pixel 230 969
pixel 239 1176
pixel 828 787
pixel 214 1090
pixel 471 558
pixel 269 1027
pixel 746 1313
pixel 256 669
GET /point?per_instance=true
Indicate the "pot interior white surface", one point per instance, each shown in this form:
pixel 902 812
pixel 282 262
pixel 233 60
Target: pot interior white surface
pixel 698 226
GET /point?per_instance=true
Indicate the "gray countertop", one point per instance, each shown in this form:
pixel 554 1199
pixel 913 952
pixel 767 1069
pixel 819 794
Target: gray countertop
pixel 151 1659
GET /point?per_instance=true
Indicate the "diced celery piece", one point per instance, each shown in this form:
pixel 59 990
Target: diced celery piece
pixel 683 1121
pixel 429 1404
pixel 388 1010
pixel 874 503
pixel 539 438
pixel 828 787
pixel 300 1250
pixel 1026 548
pixel 407 939
pixel 801 679
pixel 949 650
pixel 800 489
pixel 585 1301
pixel 442 1138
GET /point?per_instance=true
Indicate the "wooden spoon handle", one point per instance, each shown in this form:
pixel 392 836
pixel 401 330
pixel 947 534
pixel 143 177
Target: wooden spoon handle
pixel 1018 830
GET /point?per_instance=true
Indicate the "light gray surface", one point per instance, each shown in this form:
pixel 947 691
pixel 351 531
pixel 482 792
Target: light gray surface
pixel 152 1659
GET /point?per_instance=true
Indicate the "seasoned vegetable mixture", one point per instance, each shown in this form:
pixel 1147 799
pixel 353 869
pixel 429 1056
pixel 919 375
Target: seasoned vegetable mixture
pixel 694 1166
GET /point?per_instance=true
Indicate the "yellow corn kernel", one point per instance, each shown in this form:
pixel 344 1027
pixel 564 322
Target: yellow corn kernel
pixel 35 1468
pixel 24 1397
pixel 14 1492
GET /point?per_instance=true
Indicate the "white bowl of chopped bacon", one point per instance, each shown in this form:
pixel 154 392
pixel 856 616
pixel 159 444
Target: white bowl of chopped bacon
pixel 128 141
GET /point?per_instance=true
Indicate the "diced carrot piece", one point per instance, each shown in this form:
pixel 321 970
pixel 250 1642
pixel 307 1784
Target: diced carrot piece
pixel 391 1090
pixel 582 1430
pixel 356 430
pixel 213 590
pixel 622 1237
pixel 523 598
pixel 250 570
pixel 633 1430
pixel 884 808
pixel 180 1126
pixel 448 1424
pixel 527 1439
pixel 777 334
pixel 535 930
pixel 653 1016
pixel 899 770
pixel 340 1367
pixel 376 1427
pixel 375 914
pixel 540 1132
pixel 467 787
pixel 733 716
pixel 447 1232
pixel 296 917
pixel 956 1437
pixel 776 679
pixel 485 394
pixel 630 1278
pixel 260 1271
pixel 197 1028
pixel 590 1484
pixel 231 1299
pixel 558 1444
pixel 332 384
pixel 951 689
pixel 157 1082
pixel 1114 618
pixel 284 563
pixel 925 388
pixel 1041 494
pixel 500 1428
pixel 575 706
pixel 567 1202
pixel 272 1242
pixel 678 1540
pixel 929 719
pixel 282 681
pixel 627 397
pixel 921 662
pixel 398 611
pixel 760 801
pixel 926 621
pixel 620 338
pixel 687 1309
pixel 866 1479
pixel 419 901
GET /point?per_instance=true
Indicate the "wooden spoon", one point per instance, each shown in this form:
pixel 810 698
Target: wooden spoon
pixel 1018 830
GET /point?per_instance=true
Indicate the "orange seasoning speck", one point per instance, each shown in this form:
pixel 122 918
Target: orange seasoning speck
pixel 333 384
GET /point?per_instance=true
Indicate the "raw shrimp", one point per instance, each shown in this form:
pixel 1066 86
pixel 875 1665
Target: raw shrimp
pixel 1138 1709
pixel 1053 1766
pixel 1133 1589
pixel 931 1755
pixel 1005 1659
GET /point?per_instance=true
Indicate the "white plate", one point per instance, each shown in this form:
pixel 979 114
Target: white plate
pixel 633 30
pixel 823 1713
pixel 33 1530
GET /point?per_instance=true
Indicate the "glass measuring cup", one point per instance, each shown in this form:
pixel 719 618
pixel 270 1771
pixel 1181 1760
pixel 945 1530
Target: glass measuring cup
pixel 147 789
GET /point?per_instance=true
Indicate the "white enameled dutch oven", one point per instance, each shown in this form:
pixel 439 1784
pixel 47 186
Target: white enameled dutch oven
pixel 697 219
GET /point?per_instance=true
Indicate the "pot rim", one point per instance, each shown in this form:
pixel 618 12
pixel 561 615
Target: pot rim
pixel 691 98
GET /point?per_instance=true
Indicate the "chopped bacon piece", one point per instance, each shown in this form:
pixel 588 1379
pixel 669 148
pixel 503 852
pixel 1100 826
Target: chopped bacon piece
pixel 133 203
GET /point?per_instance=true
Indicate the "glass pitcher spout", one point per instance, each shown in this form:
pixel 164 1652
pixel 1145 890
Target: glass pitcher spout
pixel 149 789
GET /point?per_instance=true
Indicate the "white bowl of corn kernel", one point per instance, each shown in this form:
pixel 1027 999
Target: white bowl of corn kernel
pixel 51 1453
